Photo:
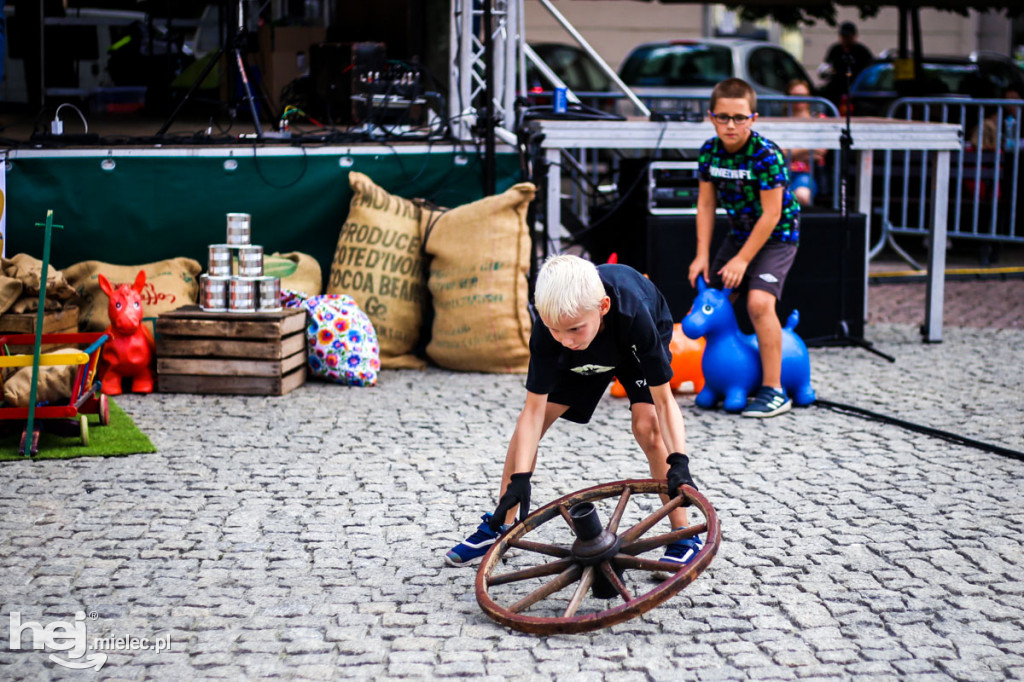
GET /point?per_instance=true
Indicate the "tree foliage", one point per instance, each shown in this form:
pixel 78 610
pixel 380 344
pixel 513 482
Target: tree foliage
pixel 794 14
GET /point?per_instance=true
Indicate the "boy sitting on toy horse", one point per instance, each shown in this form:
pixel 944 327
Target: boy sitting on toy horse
pixel 747 175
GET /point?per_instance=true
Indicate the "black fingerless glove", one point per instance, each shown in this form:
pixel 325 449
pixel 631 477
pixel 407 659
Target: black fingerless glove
pixel 517 492
pixel 678 473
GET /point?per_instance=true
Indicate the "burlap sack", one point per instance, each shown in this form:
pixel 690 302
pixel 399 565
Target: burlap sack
pixel 297 271
pixel 170 284
pixel 379 263
pixel 478 280
pixel 10 291
pixel 29 271
pixel 54 383
pixel 30 304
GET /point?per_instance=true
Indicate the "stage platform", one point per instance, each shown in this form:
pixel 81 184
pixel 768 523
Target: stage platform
pixel 17 124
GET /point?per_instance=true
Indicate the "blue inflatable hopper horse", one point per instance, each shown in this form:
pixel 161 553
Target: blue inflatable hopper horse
pixel 732 364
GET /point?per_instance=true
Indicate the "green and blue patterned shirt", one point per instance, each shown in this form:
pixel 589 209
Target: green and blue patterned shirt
pixel 739 180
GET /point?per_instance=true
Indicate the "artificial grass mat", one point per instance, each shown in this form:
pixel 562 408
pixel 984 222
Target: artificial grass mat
pixel 119 437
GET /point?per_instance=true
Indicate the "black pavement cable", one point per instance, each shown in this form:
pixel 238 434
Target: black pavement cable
pixel 927 430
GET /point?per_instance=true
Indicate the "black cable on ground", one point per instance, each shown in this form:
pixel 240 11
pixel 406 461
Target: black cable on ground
pixel 927 430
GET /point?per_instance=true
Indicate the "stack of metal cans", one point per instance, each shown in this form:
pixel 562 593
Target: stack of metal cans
pixel 234 281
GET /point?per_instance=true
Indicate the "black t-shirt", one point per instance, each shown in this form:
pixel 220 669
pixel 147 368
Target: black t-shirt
pixel 860 56
pixel 636 330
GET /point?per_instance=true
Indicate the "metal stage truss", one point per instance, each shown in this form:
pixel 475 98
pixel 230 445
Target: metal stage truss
pixel 468 86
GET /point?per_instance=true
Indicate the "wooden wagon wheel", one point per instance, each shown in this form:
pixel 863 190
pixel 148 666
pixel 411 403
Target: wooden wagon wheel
pixel 104 409
pixel 83 429
pixel 595 559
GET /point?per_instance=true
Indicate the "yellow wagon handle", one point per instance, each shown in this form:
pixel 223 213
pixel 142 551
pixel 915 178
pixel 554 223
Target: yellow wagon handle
pixel 76 358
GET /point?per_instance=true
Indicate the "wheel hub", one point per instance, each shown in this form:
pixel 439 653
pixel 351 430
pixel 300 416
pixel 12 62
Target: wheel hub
pixel 593 543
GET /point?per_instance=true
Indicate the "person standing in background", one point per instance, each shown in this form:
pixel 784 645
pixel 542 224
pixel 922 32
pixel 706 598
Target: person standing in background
pixel 847 53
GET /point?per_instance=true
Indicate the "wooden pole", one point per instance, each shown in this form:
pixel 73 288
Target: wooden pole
pixel 40 316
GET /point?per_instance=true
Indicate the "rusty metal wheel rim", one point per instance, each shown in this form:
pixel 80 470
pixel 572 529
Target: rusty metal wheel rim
pixel 565 570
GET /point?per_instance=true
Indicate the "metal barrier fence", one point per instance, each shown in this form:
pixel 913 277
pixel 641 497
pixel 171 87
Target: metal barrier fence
pixel 985 174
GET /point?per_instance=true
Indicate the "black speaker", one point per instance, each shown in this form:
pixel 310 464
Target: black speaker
pixel 826 282
pixel 619 229
pixel 330 67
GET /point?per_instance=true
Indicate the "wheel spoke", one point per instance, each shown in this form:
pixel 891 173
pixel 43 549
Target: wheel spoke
pixel 628 561
pixel 565 578
pixel 541 548
pixel 550 568
pixel 616 581
pixel 620 508
pixel 586 580
pixel 565 515
pixel 645 525
pixel 641 546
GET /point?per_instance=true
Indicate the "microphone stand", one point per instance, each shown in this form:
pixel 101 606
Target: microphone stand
pixel 842 335
pixel 487 119
pixel 237 42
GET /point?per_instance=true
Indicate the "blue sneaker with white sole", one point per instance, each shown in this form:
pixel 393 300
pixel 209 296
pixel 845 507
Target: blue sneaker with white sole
pixel 683 551
pixel 767 402
pixel 473 548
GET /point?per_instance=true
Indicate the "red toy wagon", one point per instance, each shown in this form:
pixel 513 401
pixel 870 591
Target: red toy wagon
pixel 66 419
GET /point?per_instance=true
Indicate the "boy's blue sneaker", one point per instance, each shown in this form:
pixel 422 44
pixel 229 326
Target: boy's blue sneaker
pixel 768 402
pixel 473 548
pixel 681 552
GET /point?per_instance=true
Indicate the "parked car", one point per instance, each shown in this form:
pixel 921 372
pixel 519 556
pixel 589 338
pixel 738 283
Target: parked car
pixel 691 68
pixel 575 67
pixel 983 75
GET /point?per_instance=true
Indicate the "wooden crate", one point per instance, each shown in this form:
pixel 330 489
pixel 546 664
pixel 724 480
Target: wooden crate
pixel 231 353
pixel 54 322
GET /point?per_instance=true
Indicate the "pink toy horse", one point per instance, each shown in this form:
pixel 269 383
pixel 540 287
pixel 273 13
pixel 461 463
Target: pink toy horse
pixel 129 352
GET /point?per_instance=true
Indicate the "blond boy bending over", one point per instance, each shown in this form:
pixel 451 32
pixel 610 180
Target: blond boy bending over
pixel 597 323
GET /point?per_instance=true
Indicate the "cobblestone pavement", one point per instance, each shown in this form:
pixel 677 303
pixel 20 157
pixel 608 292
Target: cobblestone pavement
pixel 302 537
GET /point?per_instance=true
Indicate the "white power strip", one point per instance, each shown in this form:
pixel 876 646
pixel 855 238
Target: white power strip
pixel 269 135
